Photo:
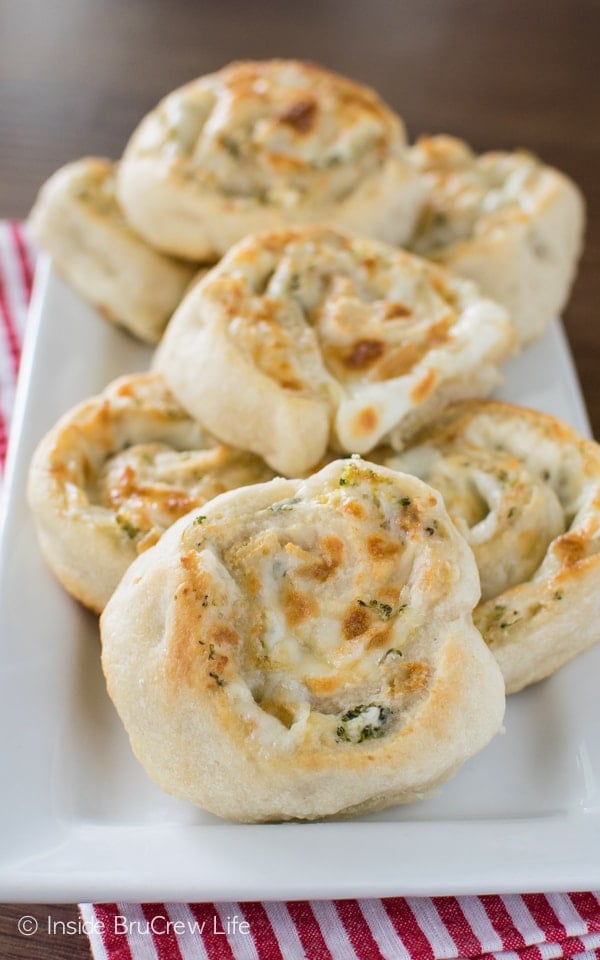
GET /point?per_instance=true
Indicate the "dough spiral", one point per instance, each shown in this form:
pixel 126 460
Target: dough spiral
pixel 114 473
pixel 77 220
pixel 524 489
pixel 305 337
pixel 262 145
pixel 506 221
pixel 304 648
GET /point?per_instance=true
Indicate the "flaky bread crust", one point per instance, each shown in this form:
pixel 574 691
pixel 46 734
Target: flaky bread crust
pixel 305 650
pixel 307 336
pixel 77 220
pixel 263 145
pixel 524 489
pixel 114 473
pixel 505 220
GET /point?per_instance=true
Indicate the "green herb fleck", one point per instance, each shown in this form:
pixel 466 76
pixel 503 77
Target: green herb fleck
pixel 199 519
pixel 558 595
pixel 384 610
pixel 376 718
pixel 232 147
pixel 356 712
pixel 405 501
pixel 128 527
pixel 511 623
pixel 218 680
pixel 343 481
pixel 439 219
pixel 392 652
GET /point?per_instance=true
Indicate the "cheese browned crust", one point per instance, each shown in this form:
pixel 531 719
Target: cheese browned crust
pixel 262 145
pixel 77 220
pixel 524 490
pixel 506 221
pixel 114 473
pixel 304 649
pixel 307 336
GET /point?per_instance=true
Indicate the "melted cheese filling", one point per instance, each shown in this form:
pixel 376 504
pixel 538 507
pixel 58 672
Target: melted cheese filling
pixel 508 515
pixel 371 329
pixel 468 194
pixel 362 547
pixel 273 132
pixel 133 457
pixel 149 486
pixel 522 488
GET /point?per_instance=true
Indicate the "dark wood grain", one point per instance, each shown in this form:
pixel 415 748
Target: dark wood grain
pixel 57 936
pixel 76 76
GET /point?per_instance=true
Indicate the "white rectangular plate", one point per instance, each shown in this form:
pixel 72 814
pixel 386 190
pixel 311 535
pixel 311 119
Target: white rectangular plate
pixel 79 818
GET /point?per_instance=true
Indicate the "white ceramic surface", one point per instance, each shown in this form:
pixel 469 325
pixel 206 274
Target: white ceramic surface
pixel 81 821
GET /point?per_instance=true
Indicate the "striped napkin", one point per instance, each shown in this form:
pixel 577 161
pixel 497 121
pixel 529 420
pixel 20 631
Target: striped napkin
pixel 16 280
pixel 529 927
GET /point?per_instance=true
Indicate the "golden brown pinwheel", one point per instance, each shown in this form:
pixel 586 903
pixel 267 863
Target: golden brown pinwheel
pixel 304 648
pixel 524 490
pixel 78 221
pixel 308 337
pixel 506 221
pixel 114 473
pixel 262 145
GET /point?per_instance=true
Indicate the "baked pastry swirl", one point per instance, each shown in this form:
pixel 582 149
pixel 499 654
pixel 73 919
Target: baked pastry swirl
pixel 307 336
pixel 524 490
pixel 304 648
pixel 506 221
pixel 261 145
pixel 77 220
pixel 114 473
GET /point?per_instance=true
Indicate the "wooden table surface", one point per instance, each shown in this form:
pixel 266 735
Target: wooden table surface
pixel 77 75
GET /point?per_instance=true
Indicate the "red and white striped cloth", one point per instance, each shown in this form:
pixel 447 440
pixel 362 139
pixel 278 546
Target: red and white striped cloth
pixel 528 927
pixel 16 278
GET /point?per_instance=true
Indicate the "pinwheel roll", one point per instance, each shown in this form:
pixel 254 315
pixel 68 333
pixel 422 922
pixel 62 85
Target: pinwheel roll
pixel 114 473
pixel 524 490
pixel 304 648
pixel 505 220
pixel 78 221
pixel 307 336
pixel 262 145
